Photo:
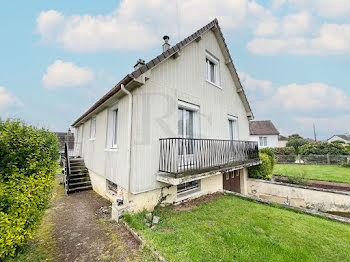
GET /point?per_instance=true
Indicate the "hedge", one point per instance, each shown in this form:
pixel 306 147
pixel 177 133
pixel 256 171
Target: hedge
pixel 323 148
pixel 28 161
pixel 264 170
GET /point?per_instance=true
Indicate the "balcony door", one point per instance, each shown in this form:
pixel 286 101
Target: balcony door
pixel 188 129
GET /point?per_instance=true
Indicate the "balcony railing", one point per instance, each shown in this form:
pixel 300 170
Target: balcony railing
pixel 187 155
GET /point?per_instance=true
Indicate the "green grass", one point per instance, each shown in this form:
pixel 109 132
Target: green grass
pixel 330 173
pixel 232 229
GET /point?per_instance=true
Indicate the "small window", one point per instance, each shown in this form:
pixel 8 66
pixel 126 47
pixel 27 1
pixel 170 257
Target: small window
pixel 112 186
pixel 114 127
pixel 212 69
pixel 263 141
pixel 93 128
pixel 188 187
pixel 233 127
pixel 112 136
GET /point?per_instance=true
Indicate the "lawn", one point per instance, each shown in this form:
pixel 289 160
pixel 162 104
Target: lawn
pixel 330 173
pixel 229 228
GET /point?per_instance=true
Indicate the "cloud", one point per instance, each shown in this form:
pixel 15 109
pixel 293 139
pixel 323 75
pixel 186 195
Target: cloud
pixel 255 87
pixel 310 97
pixel 136 25
pixel 7 99
pixel 65 74
pixel 333 9
pixel 329 125
pixel 330 39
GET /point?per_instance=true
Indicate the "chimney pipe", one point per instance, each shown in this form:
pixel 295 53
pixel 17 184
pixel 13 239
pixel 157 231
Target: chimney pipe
pixel 139 63
pixel 166 45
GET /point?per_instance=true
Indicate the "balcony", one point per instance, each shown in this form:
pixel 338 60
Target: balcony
pixel 181 158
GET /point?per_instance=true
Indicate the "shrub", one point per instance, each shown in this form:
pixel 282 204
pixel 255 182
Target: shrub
pixel 270 153
pixel 287 151
pixel 296 141
pixel 262 171
pixel 28 161
pixel 323 148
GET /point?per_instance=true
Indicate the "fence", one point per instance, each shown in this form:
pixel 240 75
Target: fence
pixel 312 159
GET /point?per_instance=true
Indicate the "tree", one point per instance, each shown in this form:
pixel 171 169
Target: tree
pixel 296 141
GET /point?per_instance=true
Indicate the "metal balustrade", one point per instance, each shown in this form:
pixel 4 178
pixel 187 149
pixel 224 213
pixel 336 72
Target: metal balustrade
pixel 186 155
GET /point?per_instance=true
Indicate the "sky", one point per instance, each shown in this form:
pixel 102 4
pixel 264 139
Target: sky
pixel 57 58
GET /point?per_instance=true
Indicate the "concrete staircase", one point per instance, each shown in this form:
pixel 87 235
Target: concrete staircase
pixel 79 178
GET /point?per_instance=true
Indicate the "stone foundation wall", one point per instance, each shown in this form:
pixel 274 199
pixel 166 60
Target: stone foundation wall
pixel 300 196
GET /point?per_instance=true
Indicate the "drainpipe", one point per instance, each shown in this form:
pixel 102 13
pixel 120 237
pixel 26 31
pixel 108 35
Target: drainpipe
pixel 128 160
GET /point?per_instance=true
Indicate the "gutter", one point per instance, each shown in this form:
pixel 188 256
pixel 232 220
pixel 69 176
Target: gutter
pixel 128 160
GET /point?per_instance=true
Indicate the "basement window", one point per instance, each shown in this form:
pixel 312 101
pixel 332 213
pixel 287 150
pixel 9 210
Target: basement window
pixel 112 186
pixel 188 188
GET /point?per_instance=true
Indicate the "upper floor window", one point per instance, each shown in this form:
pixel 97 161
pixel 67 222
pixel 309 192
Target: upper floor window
pixel 112 127
pixel 212 69
pixel 233 127
pixel 263 141
pixel 93 128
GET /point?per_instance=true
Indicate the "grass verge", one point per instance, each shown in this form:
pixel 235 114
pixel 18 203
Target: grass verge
pixel 232 229
pixel 329 173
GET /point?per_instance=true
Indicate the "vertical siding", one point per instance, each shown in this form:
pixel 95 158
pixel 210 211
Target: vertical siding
pixel 156 103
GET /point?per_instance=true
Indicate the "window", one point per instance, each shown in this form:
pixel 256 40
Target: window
pixel 263 141
pixel 112 132
pixel 188 187
pixel 93 128
pixel 187 126
pixel 112 186
pixel 212 69
pixel 233 127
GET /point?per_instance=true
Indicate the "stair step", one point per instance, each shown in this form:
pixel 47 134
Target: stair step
pixel 78 175
pixel 84 170
pixel 71 190
pixel 77 184
pixel 83 178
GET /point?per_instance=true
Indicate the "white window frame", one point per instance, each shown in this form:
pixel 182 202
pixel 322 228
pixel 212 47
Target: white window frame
pixel 263 141
pixel 93 128
pixel 216 62
pixel 233 127
pixel 190 191
pixel 195 110
pixel 112 130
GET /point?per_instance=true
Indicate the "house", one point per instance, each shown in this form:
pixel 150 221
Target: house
pixel 177 127
pixel 345 138
pixel 66 138
pixel 282 141
pixel 264 132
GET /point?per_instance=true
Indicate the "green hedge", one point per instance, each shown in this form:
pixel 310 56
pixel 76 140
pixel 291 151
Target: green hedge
pixel 323 148
pixel 264 170
pixel 28 161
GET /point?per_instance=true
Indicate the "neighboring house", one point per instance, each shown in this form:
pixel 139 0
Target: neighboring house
pixel 66 138
pixel 264 132
pixel 282 141
pixel 345 138
pixel 176 127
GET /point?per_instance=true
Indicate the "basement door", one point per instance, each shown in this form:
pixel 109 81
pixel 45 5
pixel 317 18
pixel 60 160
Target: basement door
pixel 232 181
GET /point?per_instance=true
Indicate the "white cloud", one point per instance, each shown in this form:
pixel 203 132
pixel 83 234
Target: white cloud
pixel 65 74
pixel 326 125
pixel 334 9
pixel 255 87
pixel 7 99
pixel 331 39
pixel 310 97
pixel 277 4
pixel 140 25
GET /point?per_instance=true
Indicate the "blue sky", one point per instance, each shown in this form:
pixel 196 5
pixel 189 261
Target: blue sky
pixel 59 57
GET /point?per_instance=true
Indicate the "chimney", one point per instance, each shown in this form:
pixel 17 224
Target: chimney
pixel 166 44
pixel 139 63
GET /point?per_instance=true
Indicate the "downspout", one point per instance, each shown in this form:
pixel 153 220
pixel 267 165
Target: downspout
pixel 128 160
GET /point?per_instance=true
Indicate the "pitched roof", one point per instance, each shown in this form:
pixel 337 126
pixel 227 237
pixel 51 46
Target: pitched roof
pixel 345 137
pixel 170 52
pixel 282 138
pixel 264 127
pixel 63 138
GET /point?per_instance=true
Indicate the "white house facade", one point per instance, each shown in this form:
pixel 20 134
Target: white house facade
pixel 177 127
pixel 264 132
pixel 344 138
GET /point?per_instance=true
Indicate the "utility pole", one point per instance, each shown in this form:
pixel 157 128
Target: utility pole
pixel 315 133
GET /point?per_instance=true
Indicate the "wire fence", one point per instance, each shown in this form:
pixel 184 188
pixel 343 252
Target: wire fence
pixel 312 159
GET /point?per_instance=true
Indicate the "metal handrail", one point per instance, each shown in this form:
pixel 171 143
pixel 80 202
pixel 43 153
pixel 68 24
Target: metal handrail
pixel 67 170
pixel 185 155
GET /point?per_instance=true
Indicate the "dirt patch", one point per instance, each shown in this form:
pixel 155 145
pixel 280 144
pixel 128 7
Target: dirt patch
pixel 332 187
pixel 83 230
pixel 190 204
pixel 341 214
